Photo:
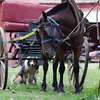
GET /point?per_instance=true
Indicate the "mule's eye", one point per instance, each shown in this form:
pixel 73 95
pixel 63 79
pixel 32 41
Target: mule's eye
pixel 47 25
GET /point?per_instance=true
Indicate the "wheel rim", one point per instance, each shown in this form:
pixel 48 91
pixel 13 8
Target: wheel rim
pixel 3 61
pixel 84 65
pixel 71 77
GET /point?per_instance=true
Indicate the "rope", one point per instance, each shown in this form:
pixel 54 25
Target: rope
pixel 68 37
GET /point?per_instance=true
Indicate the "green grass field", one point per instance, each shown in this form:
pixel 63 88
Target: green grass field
pixel 32 92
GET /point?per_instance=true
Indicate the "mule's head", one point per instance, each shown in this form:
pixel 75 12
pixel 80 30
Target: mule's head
pixel 48 32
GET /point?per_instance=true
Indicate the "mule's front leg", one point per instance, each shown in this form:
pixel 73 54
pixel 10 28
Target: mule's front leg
pixel 76 74
pixel 76 69
pixel 55 83
pixel 61 71
pixel 45 69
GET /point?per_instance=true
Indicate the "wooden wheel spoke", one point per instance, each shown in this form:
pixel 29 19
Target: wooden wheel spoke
pixel 2 73
pixel 1 50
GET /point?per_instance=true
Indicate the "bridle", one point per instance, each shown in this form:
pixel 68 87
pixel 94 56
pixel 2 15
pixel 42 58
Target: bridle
pixel 51 28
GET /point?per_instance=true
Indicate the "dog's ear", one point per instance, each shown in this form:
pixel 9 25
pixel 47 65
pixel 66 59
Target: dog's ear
pixel 36 66
pixel 28 63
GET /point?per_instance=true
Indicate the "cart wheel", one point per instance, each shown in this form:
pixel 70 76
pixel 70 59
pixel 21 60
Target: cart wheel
pixel 83 64
pixel 3 61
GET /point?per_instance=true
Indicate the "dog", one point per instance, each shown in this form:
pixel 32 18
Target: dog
pixel 27 73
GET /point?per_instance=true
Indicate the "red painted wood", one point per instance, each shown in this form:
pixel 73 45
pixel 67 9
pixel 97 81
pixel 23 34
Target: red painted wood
pixel 16 12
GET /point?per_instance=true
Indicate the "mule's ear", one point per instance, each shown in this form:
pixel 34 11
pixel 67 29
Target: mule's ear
pixel 44 15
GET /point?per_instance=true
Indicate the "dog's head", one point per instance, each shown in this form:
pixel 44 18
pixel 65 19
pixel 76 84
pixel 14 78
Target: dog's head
pixel 31 64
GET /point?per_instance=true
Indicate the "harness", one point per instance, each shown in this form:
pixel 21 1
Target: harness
pixel 55 38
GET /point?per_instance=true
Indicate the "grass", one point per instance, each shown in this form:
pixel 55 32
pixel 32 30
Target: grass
pixel 32 92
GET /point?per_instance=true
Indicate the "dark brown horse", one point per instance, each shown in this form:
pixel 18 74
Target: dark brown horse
pixel 57 36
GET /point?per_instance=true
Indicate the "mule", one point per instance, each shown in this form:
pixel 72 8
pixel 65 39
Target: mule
pixel 54 26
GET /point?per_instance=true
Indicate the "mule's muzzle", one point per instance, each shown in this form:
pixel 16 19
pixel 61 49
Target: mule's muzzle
pixel 50 52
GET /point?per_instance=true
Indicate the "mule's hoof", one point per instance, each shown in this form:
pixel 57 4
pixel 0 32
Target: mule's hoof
pixel 61 90
pixel 55 89
pixel 55 84
pixel 43 90
pixel 43 87
pixel 61 93
pixel 77 91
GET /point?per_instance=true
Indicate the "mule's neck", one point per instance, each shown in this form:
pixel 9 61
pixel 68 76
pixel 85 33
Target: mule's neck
pixel 56 9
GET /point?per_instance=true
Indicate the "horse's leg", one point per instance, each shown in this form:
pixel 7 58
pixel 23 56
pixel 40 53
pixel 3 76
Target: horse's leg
pixel 61 71
pixel 45 69
pixel 76 69
pixel 55 65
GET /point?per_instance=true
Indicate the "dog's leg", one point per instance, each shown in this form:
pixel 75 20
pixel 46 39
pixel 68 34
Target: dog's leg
pixel 27 79
pixel 24 79
pixel 30 79
pixel 35 79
